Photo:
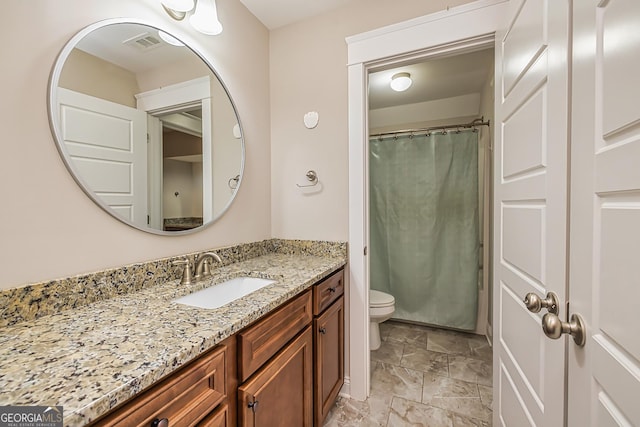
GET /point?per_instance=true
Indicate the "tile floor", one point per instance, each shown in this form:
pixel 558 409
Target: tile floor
pixel 423 376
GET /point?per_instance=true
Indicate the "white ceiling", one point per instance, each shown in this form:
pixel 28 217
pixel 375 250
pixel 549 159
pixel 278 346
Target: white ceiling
pixel 108 43
pixel 278 13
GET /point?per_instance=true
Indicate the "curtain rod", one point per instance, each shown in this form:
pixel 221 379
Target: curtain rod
pixel 428 131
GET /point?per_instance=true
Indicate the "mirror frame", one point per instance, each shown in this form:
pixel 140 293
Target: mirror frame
pixel 54 120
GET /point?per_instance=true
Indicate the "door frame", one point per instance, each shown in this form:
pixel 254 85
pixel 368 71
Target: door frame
pixel 175 98
pixel 456 29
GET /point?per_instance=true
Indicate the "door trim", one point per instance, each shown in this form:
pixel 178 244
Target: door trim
pixel 452 30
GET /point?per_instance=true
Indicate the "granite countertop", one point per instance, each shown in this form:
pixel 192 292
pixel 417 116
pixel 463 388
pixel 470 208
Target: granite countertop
pixel 91 359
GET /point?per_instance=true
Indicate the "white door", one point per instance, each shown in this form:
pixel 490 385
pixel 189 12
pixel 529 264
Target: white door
pixel 107 146
pixel 530 210
pixel 604 376
pixel 601 280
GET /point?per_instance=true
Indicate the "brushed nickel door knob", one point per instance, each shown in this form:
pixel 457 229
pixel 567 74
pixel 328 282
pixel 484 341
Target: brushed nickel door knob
pixel 534 303
pixel 554 328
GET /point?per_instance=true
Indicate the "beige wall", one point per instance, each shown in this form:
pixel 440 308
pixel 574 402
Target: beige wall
pixel 96 77
pixel 184 178
pixel 309 73
pixel 49 227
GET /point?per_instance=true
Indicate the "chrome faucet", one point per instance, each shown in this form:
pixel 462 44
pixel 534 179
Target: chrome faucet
pixel 203 269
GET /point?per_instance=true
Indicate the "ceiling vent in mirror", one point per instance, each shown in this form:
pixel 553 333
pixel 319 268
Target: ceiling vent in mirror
pixel 144 41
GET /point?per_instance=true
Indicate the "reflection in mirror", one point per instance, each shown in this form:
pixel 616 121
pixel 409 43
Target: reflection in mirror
pixel 145 127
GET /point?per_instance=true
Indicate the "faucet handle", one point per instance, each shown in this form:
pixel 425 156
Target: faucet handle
pixel 186 271
pixel 206 268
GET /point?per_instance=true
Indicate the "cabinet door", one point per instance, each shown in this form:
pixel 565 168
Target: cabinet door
pixel 280 393
pixel 329 358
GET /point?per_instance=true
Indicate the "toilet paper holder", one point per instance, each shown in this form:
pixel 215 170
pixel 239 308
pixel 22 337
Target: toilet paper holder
pixel 312 176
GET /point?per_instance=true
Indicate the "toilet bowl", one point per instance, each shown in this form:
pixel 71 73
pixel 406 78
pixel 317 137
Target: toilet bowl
pixel 381 308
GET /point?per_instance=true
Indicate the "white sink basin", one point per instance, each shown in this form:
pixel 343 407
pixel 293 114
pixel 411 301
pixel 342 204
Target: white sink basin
pixel 223 293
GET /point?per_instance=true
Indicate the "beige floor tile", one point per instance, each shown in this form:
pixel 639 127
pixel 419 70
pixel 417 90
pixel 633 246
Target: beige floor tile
pixel 389 352
pixel 486 395
pixel 448 343
pixel 438 386
pixel 471 370
pixel 412 385
pixel 421 359
pixel 462 421
pixel 352 413
pixel 395 380
pixel 406 333
pixel 454 395
pixel 480 349
pixel 407 413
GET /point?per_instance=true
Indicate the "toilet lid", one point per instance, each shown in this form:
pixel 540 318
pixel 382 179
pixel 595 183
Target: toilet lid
pixel 380 299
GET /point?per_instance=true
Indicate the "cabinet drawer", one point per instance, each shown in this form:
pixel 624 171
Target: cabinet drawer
pixel 183 398
pixel 327 291
pixel 218 418
pixel 259 342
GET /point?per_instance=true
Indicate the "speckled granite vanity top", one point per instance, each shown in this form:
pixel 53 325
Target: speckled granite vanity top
pixel 91 359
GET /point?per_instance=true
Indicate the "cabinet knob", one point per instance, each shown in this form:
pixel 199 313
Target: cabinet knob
pixel 160 422
pixel 323 331
pixel 332 290
pixel 253 405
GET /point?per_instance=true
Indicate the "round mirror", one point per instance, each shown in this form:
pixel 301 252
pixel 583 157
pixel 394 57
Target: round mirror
pixel 146 127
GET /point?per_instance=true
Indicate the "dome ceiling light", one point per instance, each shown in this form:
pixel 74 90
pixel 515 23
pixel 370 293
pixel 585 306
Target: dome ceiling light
pixel 401 82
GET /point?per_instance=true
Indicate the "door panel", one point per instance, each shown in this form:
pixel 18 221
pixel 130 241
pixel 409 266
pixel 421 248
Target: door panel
pixel 524 223
pixel 530 202
pixel 619 270
pixel 528 363
pixel 525 39
pixel 618 35
pixel 525 143
pixel 513 411
pixel 605 214
pixel 107 145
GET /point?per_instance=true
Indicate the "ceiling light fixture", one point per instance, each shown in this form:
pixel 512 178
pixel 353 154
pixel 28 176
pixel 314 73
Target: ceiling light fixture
pixel 401 82
pixel 204 18
pixel 169 39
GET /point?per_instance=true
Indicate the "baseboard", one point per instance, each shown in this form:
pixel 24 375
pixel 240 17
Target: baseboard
pixel 345 391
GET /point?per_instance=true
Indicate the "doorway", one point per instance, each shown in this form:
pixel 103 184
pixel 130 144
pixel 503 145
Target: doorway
pixel 429 194
pixel 182 168
pixel 458 30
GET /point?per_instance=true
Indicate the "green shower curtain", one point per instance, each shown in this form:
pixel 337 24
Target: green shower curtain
pixel 424 242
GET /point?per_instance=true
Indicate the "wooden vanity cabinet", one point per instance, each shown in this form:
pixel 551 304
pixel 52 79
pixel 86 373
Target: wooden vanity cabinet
pixel 285 369
pixel 328 338
pixel 280 393
pixel 260 341
pixel 275 357
pixel 205 387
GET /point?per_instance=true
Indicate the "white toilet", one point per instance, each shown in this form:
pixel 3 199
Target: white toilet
pixel 381 308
